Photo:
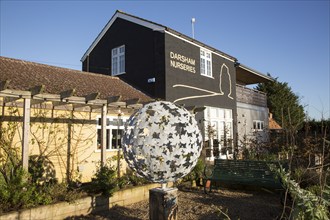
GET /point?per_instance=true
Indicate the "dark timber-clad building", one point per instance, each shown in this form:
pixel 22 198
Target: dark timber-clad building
pixel 168 65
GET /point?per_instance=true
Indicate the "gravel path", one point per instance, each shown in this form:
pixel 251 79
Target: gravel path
pixel 197 205
pixel 238 204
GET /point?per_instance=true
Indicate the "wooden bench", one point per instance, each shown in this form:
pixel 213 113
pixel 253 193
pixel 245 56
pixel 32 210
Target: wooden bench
pixel 242 173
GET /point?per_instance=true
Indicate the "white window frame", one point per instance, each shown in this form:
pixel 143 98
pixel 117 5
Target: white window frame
pixel 109 128
pixel 206 63
pixel 221 119
pixel 118 60
pixel 258 125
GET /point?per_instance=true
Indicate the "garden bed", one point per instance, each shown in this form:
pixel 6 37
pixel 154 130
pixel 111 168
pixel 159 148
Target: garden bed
pixel 83 206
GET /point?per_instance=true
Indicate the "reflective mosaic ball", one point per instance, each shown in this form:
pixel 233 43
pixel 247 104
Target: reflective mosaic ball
pixel 162 142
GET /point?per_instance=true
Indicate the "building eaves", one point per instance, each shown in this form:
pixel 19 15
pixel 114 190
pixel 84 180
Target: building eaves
pixel 250 76
pixel 256 72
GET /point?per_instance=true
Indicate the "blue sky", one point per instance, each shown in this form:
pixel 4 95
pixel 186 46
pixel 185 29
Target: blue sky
pixel 288 39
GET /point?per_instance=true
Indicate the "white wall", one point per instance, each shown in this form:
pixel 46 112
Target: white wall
pixel 246 114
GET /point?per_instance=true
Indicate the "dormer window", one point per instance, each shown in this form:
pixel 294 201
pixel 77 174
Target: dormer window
pixel 206 63
pixel 118 60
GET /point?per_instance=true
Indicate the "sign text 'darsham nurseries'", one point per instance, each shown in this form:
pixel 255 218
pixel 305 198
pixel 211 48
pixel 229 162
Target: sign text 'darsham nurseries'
pixel 179 61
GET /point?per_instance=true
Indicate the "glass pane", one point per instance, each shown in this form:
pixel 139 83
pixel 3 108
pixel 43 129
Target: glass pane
pixel 228 129
pixel 114 65
pixel 228 114
pixel 122 64
pixel 116 122
pixel 114 52
pixel 99 121
pixel 202 66
pixel 108 139
pixel 213 112
pixel 122 49
pixel 116 138
pixel 99 138
pixel 221 113
pixel 208 68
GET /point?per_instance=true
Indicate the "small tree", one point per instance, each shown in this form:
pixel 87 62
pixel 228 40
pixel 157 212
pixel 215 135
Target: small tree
pixel 283 103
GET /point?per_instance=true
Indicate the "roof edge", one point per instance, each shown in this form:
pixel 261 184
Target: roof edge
pixel 200 44
pixel 154 26
pixel 119 14
pixel 256 72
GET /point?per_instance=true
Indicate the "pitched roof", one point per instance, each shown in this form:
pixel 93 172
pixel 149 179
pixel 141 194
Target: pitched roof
pixel 273 125
pixel 24 75
pixel 154 26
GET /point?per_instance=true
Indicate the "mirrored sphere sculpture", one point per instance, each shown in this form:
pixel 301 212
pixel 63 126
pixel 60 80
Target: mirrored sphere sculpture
pixel 162 142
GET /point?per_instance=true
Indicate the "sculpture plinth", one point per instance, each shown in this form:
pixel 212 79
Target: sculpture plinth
pixel 162 143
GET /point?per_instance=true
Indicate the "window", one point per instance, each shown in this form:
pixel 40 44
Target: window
pixel 258 125
pixel 114 132
pixel 206 63
pixel 118 60
pixel 221 120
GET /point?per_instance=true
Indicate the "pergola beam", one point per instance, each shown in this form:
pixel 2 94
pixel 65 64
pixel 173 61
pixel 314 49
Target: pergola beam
pixel 68 93
pixel 36 91
pixel 115 101
pixel 133 103
pixel 8 100
pixel 92 97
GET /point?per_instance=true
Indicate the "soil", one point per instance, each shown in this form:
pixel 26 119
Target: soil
pixel 195 204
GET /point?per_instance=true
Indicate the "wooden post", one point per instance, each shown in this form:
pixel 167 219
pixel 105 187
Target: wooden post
pixel 26 131
pixel 103 134
pixel 163 204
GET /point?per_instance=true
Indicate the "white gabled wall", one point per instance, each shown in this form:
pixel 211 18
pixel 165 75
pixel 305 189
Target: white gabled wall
pixel 246 115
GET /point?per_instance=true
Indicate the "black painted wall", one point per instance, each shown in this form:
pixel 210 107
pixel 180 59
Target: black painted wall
pixel 190 88
pixel 189 84
pixel 144 56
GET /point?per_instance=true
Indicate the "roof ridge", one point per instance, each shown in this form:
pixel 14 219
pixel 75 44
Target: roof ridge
pixel 166 28
pixel 143 19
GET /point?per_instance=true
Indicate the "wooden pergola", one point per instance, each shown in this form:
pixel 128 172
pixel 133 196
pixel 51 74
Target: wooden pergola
pixel 36 96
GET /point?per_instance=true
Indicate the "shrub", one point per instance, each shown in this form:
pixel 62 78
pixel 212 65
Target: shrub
pixel 104 181
pixel 307 204
pixel 16 191
pixel 131 178
pixel 196 173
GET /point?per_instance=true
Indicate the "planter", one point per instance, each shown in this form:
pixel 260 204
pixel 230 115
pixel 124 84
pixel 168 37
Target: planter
pixel 83 206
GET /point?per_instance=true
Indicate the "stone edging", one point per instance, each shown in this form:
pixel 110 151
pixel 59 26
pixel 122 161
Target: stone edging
pixel 83 206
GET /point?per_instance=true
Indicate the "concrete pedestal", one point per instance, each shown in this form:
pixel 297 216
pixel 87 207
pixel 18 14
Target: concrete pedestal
pixel 163 204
